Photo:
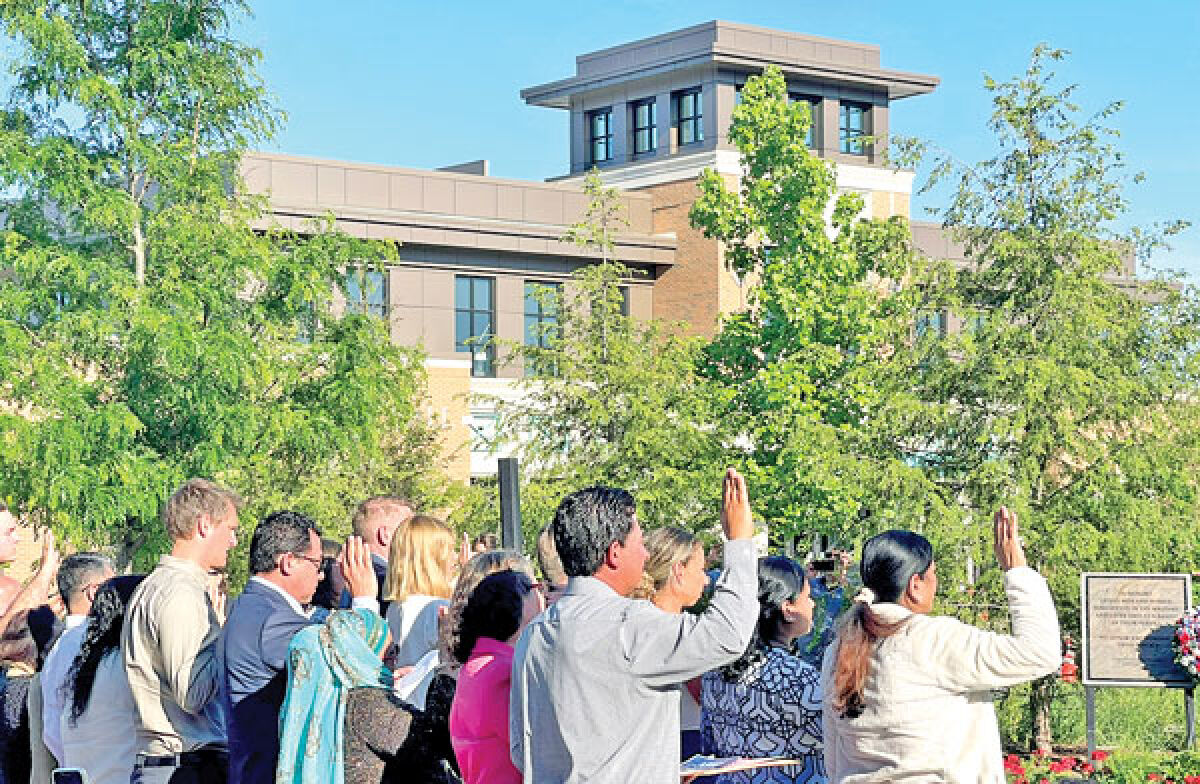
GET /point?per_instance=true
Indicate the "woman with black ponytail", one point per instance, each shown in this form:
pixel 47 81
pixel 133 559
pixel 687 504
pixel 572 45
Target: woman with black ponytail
pixel 768 702
pixel 97 724
pixel 908 696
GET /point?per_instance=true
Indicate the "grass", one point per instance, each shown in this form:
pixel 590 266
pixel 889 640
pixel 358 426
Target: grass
pixel 1132 720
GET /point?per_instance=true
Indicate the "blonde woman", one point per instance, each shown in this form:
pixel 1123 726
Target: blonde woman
pixel 420 571
pixel 675 580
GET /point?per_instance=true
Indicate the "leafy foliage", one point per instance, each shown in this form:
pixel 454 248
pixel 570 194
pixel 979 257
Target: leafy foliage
pixel 153 324
pixel 1071 392
pixel 802 363
pixel 614 400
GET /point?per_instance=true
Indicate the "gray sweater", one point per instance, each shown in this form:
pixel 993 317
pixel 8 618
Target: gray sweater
pixel 595 688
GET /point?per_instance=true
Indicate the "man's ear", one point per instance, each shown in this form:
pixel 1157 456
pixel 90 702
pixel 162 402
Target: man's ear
pixel 383 535
pixel 204 526
pixel 612 556
pixel 913 590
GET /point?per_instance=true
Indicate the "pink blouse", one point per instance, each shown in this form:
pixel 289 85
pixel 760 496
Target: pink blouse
pixel 479 715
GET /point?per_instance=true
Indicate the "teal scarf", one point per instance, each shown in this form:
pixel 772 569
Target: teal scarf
pixel 324 663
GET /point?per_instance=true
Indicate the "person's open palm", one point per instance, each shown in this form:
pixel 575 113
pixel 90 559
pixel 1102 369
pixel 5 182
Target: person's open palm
pixel 736 516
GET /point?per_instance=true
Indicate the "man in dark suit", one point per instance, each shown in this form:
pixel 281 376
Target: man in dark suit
pixel 377 521
pixel 285 561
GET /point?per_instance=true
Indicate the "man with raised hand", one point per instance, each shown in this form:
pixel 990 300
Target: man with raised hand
pixel 169 642
pixel 285 564
pixel 376 522
pixel 596 676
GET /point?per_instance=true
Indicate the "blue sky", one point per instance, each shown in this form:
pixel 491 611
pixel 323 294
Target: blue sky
pixel 430 84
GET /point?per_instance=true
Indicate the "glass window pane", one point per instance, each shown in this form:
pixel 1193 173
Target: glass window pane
pixel 481 324
pixel 462 292
pixel 462 330
pixel 481 293
pixel 688 105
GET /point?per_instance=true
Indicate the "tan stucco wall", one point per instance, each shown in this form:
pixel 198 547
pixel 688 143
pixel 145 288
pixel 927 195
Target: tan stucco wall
pixel 448 395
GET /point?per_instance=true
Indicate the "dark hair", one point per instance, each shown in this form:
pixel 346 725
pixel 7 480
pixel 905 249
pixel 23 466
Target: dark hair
pixel 279 533
pixel 324 596
pixel 586 523
pixel 77 569
pixel 494 610
pixel 889 561
pixel 489 541
pixel 103 636
pixel 780 579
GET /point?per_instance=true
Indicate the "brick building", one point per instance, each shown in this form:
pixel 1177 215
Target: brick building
pixel 650 115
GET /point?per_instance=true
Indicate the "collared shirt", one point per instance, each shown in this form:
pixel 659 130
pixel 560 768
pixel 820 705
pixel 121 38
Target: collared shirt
pixel 54 678
pixel 596 677
pixel 363 602
pixel 169 649
pixel 291 600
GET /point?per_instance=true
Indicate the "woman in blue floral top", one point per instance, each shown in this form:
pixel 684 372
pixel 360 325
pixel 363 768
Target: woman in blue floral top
pixel 768 702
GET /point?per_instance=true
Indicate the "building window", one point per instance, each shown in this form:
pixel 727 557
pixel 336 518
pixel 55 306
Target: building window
pixel 689 116
pixel 599 125
pixel 541 321
pixel 624 292
pixel 854 126
pixel 645 126
pixel 814 106
pixel 931 324
pixel 366 292
pixel 474 317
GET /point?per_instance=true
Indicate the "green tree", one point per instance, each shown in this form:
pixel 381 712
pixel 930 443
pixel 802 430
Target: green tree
pixel 153 325
pixel 802 362
pixel 612 399
pixel 1071 391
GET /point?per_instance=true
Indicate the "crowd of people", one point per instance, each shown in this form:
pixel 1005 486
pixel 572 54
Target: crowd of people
pixel 399 656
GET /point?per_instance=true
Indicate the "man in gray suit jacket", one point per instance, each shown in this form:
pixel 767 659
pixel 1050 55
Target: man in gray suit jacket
pixel 285 560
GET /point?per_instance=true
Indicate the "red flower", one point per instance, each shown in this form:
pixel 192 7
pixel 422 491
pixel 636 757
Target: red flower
pixel 1099 756
pixel 1087 769
pixel 1039 753
pixel 1149 776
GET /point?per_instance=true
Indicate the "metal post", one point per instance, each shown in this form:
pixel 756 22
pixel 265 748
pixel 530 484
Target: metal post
pixel 1089 697
pixel 510 503
pixel 1189 706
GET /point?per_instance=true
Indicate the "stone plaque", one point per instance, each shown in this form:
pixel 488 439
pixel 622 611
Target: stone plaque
pixel 1128 623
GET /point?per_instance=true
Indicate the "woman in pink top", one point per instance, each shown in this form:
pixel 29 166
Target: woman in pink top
pixel 502 605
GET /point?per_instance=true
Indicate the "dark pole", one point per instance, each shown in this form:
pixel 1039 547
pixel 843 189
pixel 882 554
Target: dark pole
pixel 510 503
pixel 1089 697
pixel 1189 707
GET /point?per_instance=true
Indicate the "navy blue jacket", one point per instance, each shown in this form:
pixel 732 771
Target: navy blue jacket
pixel 253 653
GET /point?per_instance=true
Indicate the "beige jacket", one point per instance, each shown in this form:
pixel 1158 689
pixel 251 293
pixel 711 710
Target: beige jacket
pixel 929 717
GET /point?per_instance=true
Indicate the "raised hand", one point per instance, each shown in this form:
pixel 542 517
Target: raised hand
pixel 736 516
pixel 1009 552
pixel 357 569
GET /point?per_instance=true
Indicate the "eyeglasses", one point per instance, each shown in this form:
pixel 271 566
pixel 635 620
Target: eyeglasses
pixel 317 562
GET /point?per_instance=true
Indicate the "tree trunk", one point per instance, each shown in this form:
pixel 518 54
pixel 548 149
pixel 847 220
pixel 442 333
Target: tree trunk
pixel 1040 696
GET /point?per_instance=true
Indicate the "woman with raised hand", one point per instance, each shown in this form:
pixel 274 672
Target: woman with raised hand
pixel 768 702
pixel 908 695
pixel 500 607
pixel 420 574
pixel 98 721
pixel 674 581
pixel 340 722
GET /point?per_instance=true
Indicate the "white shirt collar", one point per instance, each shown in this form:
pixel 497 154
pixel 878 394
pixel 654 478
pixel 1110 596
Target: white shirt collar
pixel 71 621
pixel 291 600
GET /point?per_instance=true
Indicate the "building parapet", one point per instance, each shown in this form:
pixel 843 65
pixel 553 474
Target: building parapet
pixel 443 208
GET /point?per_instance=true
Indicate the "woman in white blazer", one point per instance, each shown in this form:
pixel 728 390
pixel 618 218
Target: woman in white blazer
pixel 908 696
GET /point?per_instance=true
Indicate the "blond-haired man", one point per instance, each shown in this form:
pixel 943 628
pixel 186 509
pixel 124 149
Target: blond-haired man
pixel 376 521
pixel 169 642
